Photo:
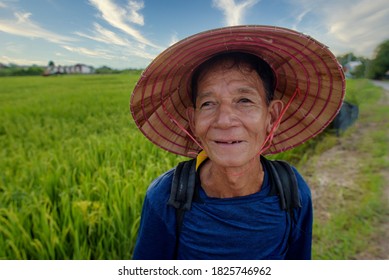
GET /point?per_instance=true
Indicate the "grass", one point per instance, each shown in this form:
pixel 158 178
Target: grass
pixel 74 168
pixel 357 212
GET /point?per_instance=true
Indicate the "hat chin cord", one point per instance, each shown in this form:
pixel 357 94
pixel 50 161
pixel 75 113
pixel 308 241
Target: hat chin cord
pixel 186 132
pixel 268 141
pixel 266 144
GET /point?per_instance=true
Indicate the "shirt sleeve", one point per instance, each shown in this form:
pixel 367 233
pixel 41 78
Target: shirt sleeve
pixel 156 235
pixel 300 245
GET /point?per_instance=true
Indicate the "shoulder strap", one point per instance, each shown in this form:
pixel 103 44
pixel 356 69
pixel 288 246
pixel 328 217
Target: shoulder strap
pixel 181 193
pixel 182 189
pixel 283 183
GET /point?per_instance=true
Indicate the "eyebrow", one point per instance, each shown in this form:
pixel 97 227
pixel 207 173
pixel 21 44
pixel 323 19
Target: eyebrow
pixel 203 94
pixel 245 89
pixel 248 89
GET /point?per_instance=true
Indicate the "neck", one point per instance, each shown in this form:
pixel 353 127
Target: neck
pixel 226 182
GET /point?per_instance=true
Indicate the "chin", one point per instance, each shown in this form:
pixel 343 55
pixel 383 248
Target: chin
pixel 232 161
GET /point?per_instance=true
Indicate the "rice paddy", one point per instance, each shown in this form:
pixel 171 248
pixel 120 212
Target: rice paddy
pixel 74 168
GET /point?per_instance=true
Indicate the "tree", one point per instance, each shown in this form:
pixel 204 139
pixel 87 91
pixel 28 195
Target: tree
pixel 343 59
pixel 359 71
pixel 380 64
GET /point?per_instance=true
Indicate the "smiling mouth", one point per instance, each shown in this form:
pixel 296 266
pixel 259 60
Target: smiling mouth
pixel 228 142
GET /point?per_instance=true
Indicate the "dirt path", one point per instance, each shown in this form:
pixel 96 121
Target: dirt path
pixel 338 167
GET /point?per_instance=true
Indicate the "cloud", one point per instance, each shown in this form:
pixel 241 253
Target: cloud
pixel 132 52
pixel 233 12
pixel 121 18
pixel 174 39
pixel 366 21
pixel 104 35
pixel 88 52
pixel 22 25
pixel 353 25
pixel 300 18
pixel 134 16
pixel 21 61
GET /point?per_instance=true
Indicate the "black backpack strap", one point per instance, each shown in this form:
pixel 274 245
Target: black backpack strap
pixel 181 194
pixel 283 183
pixel 183 185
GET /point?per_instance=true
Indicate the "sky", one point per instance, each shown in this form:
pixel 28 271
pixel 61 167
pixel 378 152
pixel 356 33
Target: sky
pixel 125 34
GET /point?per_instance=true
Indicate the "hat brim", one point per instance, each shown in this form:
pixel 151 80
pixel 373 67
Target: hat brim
pixel 162 94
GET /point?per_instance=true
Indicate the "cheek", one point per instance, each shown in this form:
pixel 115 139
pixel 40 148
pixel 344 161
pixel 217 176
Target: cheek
pixel 258 126
pixel 200 128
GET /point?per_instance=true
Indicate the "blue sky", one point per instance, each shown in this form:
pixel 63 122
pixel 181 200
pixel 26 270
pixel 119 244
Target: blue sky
pixel 130 33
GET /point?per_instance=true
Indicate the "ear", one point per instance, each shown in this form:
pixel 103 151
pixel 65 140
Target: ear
pixel 190 114
pixel 275 109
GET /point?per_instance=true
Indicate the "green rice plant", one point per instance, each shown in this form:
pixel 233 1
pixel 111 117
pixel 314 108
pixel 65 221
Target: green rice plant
pixel 74 168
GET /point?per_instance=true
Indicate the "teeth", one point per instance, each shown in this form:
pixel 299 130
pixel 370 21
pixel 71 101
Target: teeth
pixel 228 142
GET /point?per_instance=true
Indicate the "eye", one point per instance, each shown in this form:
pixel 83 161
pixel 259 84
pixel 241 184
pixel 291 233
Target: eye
pixel 244 100
pixel 206 104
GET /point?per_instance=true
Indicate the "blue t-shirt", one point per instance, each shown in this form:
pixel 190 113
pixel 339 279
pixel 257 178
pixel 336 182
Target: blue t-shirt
pixel 247 227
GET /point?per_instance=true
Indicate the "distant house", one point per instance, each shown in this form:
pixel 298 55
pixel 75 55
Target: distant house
pixel 73 69
pixel 350 67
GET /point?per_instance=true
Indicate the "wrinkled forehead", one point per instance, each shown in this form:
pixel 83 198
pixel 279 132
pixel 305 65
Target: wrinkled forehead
pixel 224 64
pixel 239 78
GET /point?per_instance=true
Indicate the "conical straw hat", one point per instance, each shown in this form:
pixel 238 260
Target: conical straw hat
pixel 300 63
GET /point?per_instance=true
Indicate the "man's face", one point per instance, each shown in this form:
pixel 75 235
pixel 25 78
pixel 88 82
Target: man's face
pixel 231 118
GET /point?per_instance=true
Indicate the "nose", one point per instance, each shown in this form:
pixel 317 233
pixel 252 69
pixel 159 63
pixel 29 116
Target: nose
pixel 224 116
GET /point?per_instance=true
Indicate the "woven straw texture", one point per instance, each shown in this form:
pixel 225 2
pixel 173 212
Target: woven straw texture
pixel 162 94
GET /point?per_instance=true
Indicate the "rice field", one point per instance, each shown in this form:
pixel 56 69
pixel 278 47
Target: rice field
pixel 73 167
